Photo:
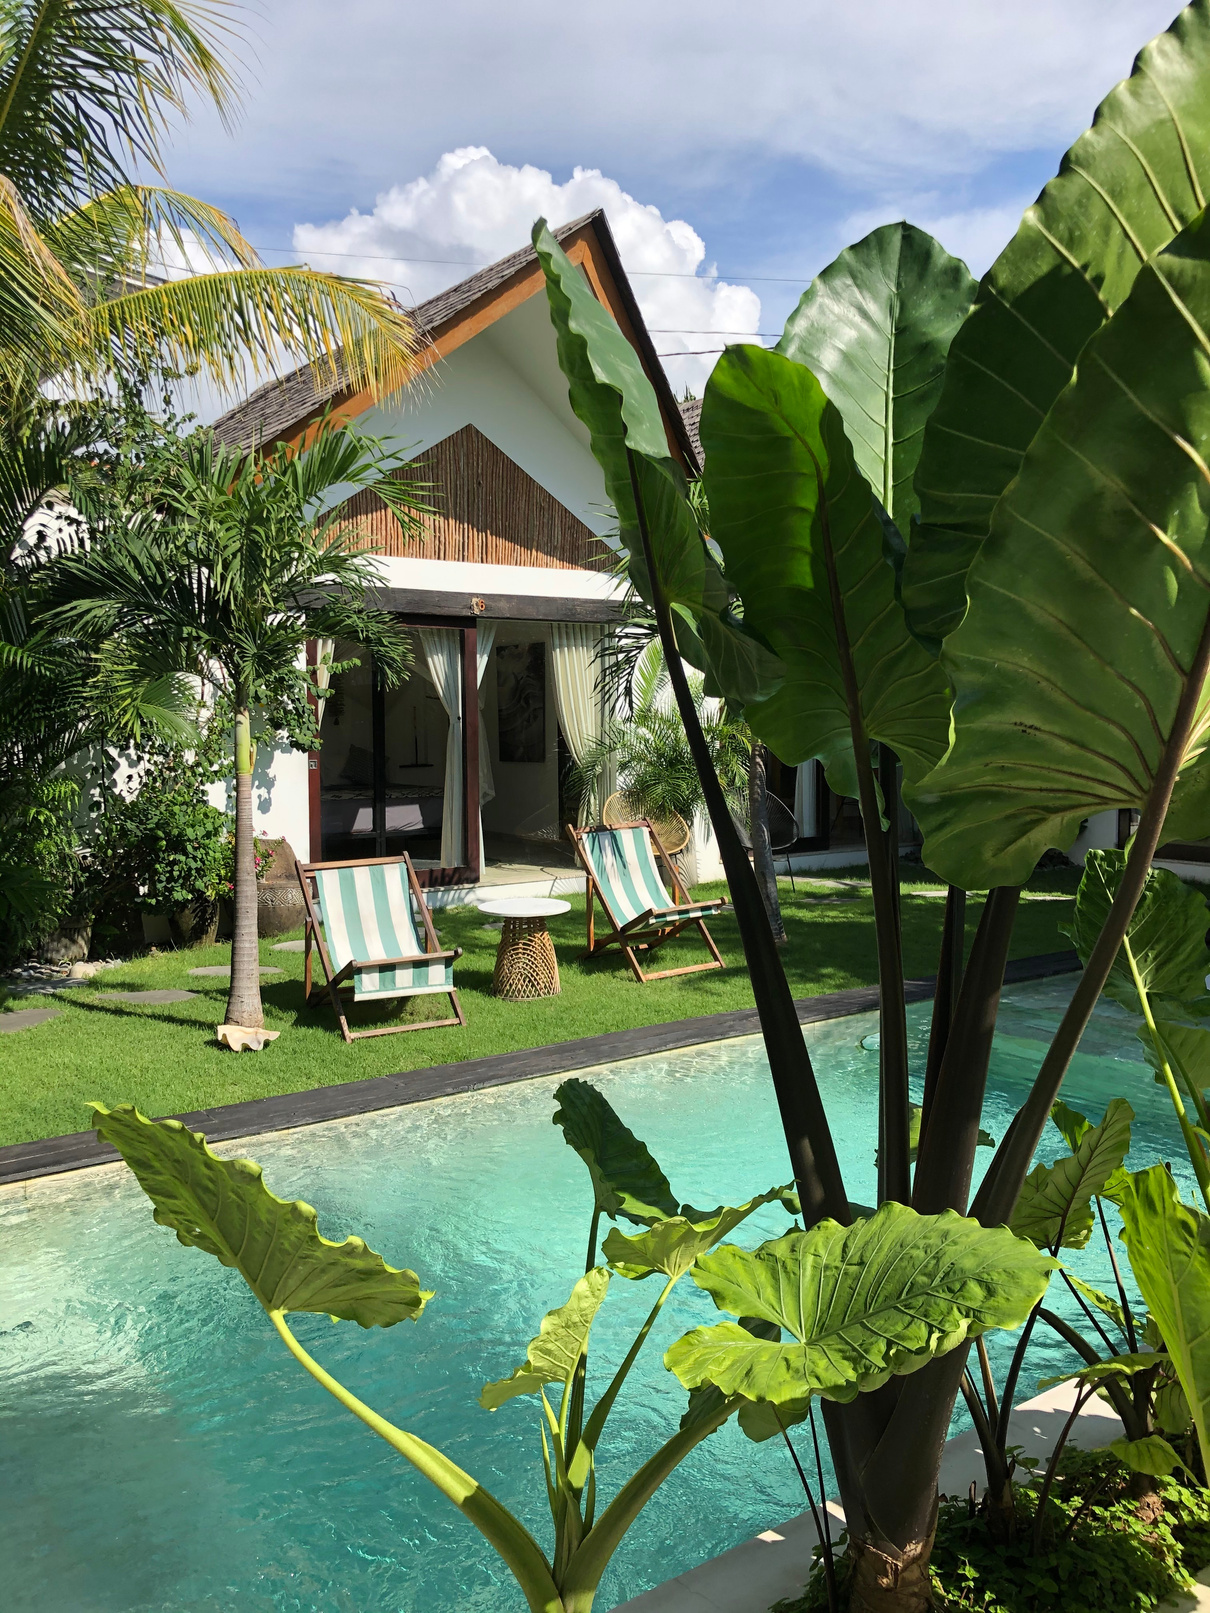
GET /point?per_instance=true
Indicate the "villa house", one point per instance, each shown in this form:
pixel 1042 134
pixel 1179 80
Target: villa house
pixel 508 595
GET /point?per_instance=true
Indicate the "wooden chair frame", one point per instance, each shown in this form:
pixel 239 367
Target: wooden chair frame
pixel 337 981
pixel 648 930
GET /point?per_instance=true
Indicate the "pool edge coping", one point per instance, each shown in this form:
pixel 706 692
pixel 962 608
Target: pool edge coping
pixel 81 1150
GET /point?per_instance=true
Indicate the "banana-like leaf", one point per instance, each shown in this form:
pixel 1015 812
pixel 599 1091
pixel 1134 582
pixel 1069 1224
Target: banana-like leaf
pixel 859 1303
pixel 787 505
pixel 874 328
pixel 1114 1366
pixel 1088 598
pixel 1169 1247
pixel 672 1246
pixel 1055 1204
pixel 224 1207
pixel 1126 187
pixel 1152 1455
pixel 1103 1302
pixel 562 1338
pixel 1170 1408
pixel 626 1180
pixel 1186 1047
pixel 1167 934
pixel 613 398
pixel 761 1419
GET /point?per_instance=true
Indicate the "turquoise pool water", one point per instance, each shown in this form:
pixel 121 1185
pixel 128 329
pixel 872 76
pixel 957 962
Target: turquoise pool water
pixel 159 1450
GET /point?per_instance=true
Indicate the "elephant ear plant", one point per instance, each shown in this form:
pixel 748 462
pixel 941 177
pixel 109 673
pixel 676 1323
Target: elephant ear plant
pixel 1050 663
pixel 871 1301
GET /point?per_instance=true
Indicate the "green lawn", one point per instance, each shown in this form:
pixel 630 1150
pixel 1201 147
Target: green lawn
pixel 166 1060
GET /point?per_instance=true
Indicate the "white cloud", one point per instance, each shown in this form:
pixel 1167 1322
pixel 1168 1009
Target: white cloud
pixel 686 88
pixel 473 209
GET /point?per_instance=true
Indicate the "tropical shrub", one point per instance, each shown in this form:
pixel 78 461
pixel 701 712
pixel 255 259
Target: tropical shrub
pixel 167 841
pixel 882 1314
pixel 1032 642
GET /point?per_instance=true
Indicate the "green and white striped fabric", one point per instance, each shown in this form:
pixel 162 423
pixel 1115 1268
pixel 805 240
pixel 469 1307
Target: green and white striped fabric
pixel 624 862
pixel 367 913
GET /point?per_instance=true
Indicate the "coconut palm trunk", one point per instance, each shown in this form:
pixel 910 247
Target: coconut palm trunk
pixel 762 844
pixel 243 1003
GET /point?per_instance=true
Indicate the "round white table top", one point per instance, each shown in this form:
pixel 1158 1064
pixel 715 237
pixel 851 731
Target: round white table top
pixel 524 907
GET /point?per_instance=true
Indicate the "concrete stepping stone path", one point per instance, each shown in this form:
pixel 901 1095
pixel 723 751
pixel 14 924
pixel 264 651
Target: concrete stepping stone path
pixel 289 946
pixel 24 1019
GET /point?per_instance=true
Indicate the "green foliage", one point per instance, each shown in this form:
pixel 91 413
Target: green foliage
pixel 672 1246
pixel 166 840
pixel 1117 1558
pixel 803 544
pixel 612 396
pixel 874 329
pixel 223 1207
pixel 552 1357
pixel 1125 188
pixel 860 1303
pixel 40 869
pixel 1169 1247
pixel 1074 652
pixel 626 1179
pixel 1167 933
pixel 1054 1210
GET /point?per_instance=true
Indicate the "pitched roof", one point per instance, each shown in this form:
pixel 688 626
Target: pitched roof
pixel 276 409
pixel 691 414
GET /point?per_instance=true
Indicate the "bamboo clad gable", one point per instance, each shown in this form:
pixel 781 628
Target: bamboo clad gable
pixel 487 510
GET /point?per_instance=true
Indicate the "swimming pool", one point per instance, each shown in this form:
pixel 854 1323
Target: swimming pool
pixel 159 1450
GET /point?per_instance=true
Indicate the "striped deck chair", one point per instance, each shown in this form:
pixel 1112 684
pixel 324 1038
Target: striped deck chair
pixel 369 938
pixel 623 875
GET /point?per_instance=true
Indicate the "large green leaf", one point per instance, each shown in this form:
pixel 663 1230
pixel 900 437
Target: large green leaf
pixel 625 1178
pixel 1123 191
pixel 1169 1247
pixel 1167 934
pixel 562 1338
pixel 1187 1049
pixel 1055 1204
pixel 787 503
pixel 1088 598
pixel 615 401
pixel 223 1207
pixel 859 1303
pixel 672 1246
pixel 874 328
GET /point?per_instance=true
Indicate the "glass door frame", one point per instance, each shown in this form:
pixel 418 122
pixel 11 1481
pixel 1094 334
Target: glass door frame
pixel 469 872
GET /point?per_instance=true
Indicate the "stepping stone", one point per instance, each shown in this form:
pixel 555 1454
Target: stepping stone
pixel 218 970
pixel 24 1019
pixel 289 946
pixel 147 996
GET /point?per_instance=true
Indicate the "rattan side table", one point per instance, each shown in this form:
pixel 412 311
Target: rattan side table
pixel 526 965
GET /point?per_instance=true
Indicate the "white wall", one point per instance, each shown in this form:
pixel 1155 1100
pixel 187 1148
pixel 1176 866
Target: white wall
pixel 1100 833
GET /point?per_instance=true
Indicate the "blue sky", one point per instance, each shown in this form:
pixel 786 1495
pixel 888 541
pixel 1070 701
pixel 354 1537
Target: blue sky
pixel 756 139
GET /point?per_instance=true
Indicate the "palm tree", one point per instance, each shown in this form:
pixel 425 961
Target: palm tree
pixel 204 560
pixel 86 91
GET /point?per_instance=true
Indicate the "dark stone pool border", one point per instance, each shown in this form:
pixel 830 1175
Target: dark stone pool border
pixel 21 1161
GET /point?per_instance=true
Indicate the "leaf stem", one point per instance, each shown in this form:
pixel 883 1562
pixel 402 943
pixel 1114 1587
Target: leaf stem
pixel 519 1550
pixel 1193 1143
pixel 809 1140
pixel 1127 1313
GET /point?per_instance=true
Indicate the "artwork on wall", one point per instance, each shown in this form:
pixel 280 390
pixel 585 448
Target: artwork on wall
pixel 521 701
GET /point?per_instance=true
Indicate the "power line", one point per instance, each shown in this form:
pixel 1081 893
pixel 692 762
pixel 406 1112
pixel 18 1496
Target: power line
pixel 468 263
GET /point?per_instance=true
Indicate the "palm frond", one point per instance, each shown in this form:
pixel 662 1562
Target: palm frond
pixel 121 235
pixel 39 304
pixel 238 324
pixel 88 88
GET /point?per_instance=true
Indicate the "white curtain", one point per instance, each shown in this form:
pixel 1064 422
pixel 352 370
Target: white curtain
pixel 485 638
pixel 575 668
pixel 325 648
pixel 806 799
pixel 442 648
